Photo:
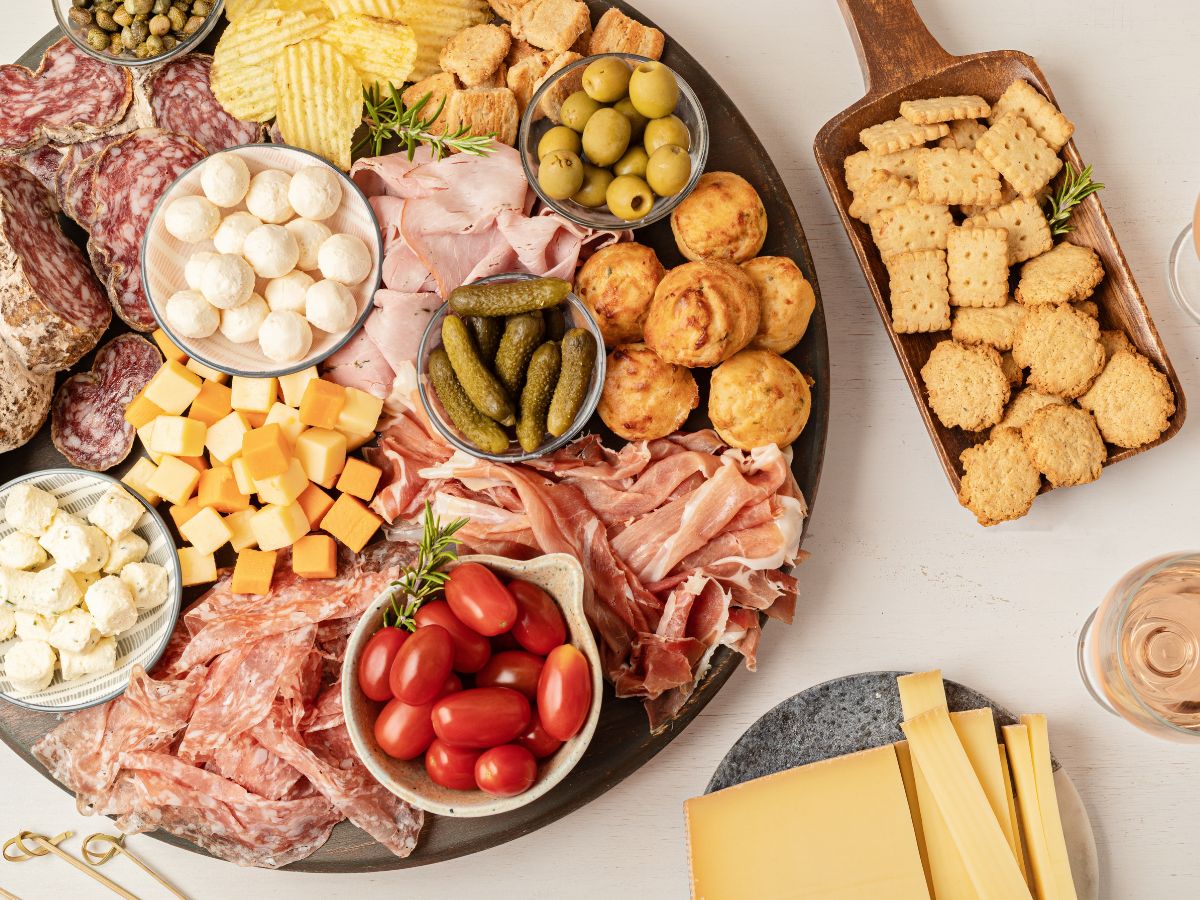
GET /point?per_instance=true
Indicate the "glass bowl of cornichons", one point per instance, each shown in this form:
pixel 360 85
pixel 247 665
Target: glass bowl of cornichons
pixel 511 367
pixel 137 32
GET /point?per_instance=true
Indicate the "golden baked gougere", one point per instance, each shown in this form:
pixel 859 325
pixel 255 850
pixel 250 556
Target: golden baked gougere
pixel 702 313
pixel 616 285
pixel 645 397
pixel 759 398
pixel 722 219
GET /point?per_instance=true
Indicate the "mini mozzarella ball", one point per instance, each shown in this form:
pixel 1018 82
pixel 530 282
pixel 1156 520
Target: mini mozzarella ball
pixel 192 219
pixel 231 235
pixel 191 315
pixel 268 196
pixel 344 258
pixel 224 178
pixel 227 281
pixel 284 336
pixel 330 306
pixel 271 251
pixel 241 324
pixel 288 292
pixel 315 192
pixel 194 267
pixel 309 237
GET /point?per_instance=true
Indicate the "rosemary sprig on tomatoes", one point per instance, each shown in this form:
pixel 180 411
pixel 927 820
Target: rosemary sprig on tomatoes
pixel 424 578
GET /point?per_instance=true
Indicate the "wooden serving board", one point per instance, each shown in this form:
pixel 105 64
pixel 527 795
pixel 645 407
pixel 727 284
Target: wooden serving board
pixel 622 743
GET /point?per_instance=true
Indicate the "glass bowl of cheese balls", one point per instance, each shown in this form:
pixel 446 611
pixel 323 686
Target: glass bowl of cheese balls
pixel 614 141
pixel 261 260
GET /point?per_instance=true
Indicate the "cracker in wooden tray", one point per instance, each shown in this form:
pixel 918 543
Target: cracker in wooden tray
pixel 1114 341
pixel 995 326
pixel 1131 400
pixel 883 190
pixel 966 385
pixel 862 165
pixel 1022 99
pixel 978 264
pixel 1028 233
pixel 1023 405
pixel 1012 370
pixel 917 287
pixel 957 176
pixel 911 226
pixel 999 480
pixel 944 109
pixel 1065 274
pixel 1061 348
pixel 899 134
pixel 1064 444
pixel 963 134
pixel 1008 194
pixel 1023 158
pixel 1087 307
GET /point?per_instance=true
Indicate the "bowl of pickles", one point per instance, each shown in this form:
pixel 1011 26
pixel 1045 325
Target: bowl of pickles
pixel 614 141
pixel 511 367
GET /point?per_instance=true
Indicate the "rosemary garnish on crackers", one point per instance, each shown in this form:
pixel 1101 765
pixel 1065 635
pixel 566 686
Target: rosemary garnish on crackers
pixel 424 578
pixel 387 118
pixel 1073 190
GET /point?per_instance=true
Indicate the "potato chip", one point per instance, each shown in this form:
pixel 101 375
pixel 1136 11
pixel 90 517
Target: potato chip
pixel 380 50
pixel 434 22
pixel 320 100
pixel 239 9
pixel 380 9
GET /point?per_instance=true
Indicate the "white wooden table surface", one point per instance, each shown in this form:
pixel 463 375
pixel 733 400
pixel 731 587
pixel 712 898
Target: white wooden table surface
pixel 901 577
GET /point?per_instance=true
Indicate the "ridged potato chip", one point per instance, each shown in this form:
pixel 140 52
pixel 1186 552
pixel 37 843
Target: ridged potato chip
pixel 320 100
pixel 380 50
pixel 239 9
pixel 380 9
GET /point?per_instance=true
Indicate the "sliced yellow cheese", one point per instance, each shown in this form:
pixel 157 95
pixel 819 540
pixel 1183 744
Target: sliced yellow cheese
pixel 976 730
pixel 904 756
pixel 1047 796
pixel 322 453
pixel 1020 761
pixel 276 526
pixel 1012 814
pixel 174 480
pixel 360 413
pixel 921 692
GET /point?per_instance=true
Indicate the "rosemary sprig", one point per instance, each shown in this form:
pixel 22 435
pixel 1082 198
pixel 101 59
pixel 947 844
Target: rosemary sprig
pixel 424 578
pixel 1074 189
pixel 387 118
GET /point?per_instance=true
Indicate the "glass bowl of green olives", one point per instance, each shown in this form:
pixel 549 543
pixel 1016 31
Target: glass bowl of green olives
pixel 511 367
pixel 614 141
pixel 137 32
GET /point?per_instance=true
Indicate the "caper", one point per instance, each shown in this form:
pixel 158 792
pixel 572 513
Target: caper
pixel 201 7
pixel 140 30
pixel 79 4
pixel 115 47
pixel 127 39
pixel 80 18
pixel 181 6
pixel 160 25
pixel 169 43
pixel 193 25
pixel 161 6
pixel 122 17
pixel 177 18
pixel 139 7
pixel 141 51
pixel 154 44
pixel 97 39
pixel 104 19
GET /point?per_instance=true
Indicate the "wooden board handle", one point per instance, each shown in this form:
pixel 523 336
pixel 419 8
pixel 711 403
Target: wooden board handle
pixel 894 47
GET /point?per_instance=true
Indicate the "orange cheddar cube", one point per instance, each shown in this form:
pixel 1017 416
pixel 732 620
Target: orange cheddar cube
pixel 212 404
pixel 140 411
pixel 253 571
pixel 168 347
pixel 359 479
pixel 351 522
pixel 315 503
pixel 255 419
pixel 315 556
pixel 266 452
pixel 182 513
pixel 218 489
pixel 199 463
pixel 322 403
pixel 174 480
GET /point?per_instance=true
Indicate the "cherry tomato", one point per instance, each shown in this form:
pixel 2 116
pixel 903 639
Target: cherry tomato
pixel 471 649
pixel 539 627
pixel 451 767
pixel 420 668
pixel 404 731
pixel 537 741
pixel 564 692
pixel 504 642
pixel 452 685
pixel 480 599
pixel 514 669
pixel 506 771
pixel 481 717
pixel 376 662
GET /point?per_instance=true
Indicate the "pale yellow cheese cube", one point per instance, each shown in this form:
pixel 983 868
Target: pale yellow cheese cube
pixel 137 477
pixel 354 441
pixel 146 436
pixel 276 526
pixel 196 567
pixel 245 484
pixel 285 488
pixel 322 454
pixel 224 437
pixel 206 531
pixel 253 394
pixel 178 436
pixel 241 534
pixel 288 420
pixel 360 413
pixel 174 480
pixel 173 388
pixel 207 372
pixel 293 385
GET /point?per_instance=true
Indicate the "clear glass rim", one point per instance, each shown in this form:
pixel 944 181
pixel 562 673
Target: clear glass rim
pixel 1173 263
pixel 210 22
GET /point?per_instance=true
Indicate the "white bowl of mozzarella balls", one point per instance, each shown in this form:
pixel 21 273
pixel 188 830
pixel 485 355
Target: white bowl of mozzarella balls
pixel 280 258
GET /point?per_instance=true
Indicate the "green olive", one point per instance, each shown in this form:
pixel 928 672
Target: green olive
pixel 607 79
pixel 606 137
pixel 629 198
pixel 633 162
pixel 595 186
pixel 668 170
pixel 561 174
pixel 576 110
pixel 653 90
pixel 560 137
pixel 636 120
pixel 667 130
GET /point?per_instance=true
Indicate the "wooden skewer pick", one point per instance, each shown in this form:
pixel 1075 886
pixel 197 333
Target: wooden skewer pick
pixel 43 845
pixel 117 845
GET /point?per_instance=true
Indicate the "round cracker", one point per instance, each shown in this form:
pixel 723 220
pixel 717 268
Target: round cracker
pixel 1131 400
pixel 1064 444
pixel 967 386
pixel 1061 348
pixel 999 479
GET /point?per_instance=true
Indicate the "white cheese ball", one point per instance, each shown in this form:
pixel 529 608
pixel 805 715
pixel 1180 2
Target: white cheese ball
pixel 55 590
pixel 344 258
pixel 241 324
pixel 191 219
pixel 110 602
pixel 74 545
pixel 73 631
pixel 315 192
pixel 231 236
pixel 29 508
pixel 191 315
pixel 99 659
pixel 271 251
pixel 21 551
pixel 227 281
pixel 330 306
pixel 8 622
pixel 128 548
pixel 29 665
pixel 86 579
pixel 268 196
pixel 147 582
pixel 224 178
pixel 194 266
pixel 285 336
pixel 309 237
pixel 288 292
pixel 32 626
pixel 115 512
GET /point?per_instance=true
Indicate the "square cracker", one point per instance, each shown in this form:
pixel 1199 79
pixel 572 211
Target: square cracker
pixel 862 165
pixel 899 134
pixel 1022 99
pixel 1064 275
pixel 944 109
pixel 883 190
pixel 994 326
pixel 978 263
pixel 913 226
pixel 963 134
pixel 1022 157
pixel 957 176
pixel 1028 233
pixel 617 33
pixel 919 296
pixel 551 24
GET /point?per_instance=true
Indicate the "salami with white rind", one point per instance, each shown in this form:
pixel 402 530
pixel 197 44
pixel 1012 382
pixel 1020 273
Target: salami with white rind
pixel 24 400
pixel 182 101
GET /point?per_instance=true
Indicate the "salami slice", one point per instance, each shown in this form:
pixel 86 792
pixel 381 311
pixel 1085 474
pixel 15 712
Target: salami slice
pixel 182 101
pixel 43 164
pixel 71 97
pixel 52 309
pixel 87 421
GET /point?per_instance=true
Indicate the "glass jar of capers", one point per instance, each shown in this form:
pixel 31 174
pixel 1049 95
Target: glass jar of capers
pixel 141 29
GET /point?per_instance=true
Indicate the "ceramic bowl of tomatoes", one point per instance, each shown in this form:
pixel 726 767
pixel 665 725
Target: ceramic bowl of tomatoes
pixel 489 700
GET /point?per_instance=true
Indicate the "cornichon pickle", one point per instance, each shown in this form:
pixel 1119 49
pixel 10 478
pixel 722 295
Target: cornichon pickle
pixel 522 334
pixel 475 426
pixel 578 360
pixel 508 298
pixel 556 323
pixel 540 379
pixel 487 333
pixel 481 385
